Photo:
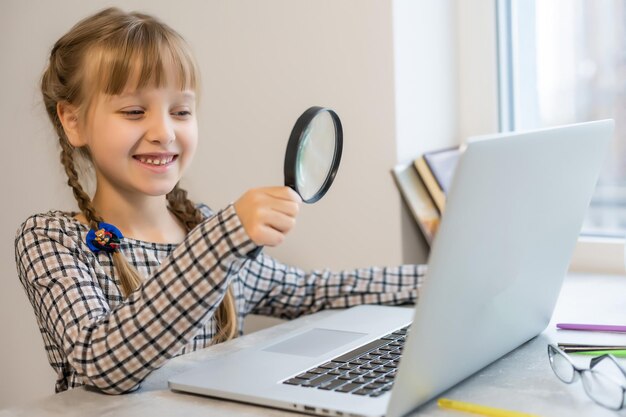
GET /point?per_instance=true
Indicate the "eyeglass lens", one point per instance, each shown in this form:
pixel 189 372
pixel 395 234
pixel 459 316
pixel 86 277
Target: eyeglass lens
pixel 602 389
pixel 562 367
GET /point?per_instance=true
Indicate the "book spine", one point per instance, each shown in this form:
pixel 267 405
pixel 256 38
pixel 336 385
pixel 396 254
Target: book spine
pixel 431 183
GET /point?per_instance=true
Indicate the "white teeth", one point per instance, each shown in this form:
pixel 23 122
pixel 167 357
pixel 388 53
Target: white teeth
pixel 156 161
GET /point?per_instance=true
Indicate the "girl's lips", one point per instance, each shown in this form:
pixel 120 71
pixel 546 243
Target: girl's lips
pixel 156 163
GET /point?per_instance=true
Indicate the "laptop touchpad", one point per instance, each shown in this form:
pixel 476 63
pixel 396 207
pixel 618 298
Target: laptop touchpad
pixel 315 342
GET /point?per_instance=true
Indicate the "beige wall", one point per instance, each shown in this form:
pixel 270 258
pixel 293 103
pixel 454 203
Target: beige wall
pixel 263 63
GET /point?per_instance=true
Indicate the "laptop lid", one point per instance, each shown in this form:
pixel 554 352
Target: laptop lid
pixel 512 219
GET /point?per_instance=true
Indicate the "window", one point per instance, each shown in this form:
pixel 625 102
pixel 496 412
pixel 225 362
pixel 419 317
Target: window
pixel 561 62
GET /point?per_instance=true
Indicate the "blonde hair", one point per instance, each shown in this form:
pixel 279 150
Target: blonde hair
pixel 99 54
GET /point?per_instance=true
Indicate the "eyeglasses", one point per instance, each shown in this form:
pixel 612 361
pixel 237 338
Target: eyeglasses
pixel 604 381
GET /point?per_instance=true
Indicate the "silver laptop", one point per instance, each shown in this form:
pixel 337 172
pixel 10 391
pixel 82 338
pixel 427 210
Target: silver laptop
pixel 513 215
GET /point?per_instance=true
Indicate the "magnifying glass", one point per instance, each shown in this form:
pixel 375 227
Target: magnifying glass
pixel 313 153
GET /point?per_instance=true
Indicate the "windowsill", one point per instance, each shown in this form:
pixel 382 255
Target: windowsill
pixel 599 255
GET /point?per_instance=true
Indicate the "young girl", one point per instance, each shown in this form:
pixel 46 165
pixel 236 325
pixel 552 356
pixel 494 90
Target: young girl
pixel 141 274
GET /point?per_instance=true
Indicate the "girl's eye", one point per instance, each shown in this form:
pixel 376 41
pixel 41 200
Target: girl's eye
pixel 132 114
pixel 182 113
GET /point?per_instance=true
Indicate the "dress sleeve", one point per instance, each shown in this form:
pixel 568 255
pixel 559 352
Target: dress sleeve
pixel 274 289
pixel 114 349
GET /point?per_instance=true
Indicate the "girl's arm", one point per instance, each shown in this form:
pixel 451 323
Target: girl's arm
pixel 272 288
pixel 115 348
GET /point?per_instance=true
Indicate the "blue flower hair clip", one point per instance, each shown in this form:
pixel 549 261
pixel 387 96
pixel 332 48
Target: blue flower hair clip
pixel 106 238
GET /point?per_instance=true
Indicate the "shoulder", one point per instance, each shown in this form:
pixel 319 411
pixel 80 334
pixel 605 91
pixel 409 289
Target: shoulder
pixel 55 225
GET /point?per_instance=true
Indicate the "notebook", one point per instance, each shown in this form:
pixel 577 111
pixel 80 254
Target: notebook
pixel 514 211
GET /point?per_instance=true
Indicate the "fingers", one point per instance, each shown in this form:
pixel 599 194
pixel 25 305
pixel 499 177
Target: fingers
pixel 289 200
pixel 268 214
pixel 272 237
pixel 280 222
pixel 284 193
pixel 288 208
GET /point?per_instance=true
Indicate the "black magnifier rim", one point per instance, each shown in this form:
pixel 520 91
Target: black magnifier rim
pixel 291 155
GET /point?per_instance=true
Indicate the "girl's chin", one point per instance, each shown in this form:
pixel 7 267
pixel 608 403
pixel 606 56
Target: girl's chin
pixel 159 191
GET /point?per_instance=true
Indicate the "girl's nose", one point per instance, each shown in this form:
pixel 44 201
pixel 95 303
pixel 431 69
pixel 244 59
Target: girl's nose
pixel 161 130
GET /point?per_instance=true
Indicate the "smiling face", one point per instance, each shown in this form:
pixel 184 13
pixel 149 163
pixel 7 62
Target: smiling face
pixel 134 113
pixel 141 141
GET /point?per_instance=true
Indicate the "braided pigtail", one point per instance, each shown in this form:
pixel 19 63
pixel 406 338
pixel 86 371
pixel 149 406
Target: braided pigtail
pixel 188 214
pixel 129 278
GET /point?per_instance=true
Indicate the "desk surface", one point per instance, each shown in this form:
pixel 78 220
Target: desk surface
pixel 522 380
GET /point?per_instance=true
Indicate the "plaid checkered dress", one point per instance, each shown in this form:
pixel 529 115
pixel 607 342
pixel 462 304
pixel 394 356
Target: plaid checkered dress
pixel 95 337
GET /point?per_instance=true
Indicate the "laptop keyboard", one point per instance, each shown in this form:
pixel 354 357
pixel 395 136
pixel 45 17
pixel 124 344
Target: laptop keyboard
pixel 368 370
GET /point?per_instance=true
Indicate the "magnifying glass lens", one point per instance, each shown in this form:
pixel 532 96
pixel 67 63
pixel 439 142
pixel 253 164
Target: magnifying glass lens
pixel 315 155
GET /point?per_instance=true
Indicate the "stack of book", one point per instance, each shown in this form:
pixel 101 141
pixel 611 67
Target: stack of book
pixel 424 184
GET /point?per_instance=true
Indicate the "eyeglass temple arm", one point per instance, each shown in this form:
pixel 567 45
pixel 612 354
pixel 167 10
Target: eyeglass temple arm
pixel 598 359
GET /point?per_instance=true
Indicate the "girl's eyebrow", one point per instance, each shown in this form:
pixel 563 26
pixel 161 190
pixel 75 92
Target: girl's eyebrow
pixel 188 95
pixel 130 94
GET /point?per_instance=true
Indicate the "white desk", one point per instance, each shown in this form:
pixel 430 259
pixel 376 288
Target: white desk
pixel 521 380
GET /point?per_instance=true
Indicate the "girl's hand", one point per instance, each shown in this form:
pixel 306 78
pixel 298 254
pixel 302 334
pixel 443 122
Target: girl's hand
pixel 268 214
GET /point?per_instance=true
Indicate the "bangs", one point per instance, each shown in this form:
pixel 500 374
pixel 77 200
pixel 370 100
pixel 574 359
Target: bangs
pixel 146 55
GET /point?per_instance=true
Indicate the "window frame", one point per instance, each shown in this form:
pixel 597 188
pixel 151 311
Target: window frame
pixel 596 254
